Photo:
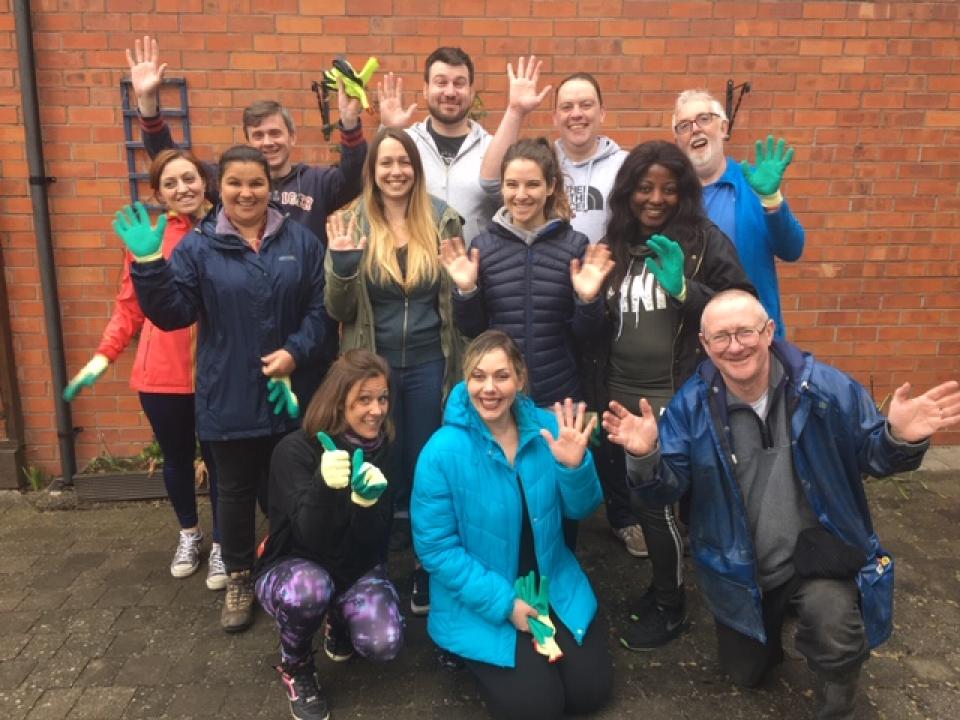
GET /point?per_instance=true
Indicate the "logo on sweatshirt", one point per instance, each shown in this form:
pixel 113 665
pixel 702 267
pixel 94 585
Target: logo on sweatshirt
pixel 584 198
pixel 288 197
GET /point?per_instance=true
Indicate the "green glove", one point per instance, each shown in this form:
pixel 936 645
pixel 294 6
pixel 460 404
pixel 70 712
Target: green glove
pixel 354 83
pixel 334 463
pixel 667 265
pixel 541 627
pixel 133 226
pixel 765 177
pixel 367 483
pixel 87 376
pixel 280 393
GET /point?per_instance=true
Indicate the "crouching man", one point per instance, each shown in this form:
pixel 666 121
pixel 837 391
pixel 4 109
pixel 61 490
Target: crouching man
pixel 772 446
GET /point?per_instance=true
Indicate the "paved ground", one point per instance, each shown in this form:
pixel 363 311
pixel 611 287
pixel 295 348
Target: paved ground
pixel 93 626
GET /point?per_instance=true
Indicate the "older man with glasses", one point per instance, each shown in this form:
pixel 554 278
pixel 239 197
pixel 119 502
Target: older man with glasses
pixel 773 446
pixel 743 200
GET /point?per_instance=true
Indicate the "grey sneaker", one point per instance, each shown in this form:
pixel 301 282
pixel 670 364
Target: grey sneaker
pixel 186 559
pixel 633 540
pixel 237 613
pixel 216 570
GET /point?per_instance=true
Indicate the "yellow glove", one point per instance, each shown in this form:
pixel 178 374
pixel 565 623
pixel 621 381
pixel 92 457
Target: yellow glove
pixel 334 464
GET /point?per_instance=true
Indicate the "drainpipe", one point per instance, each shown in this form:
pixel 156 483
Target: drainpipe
pixel 41 225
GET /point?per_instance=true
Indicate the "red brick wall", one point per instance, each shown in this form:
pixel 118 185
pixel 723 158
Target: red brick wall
pixel 868 93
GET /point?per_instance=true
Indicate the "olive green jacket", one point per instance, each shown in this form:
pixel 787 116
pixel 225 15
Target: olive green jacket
pixel 347 299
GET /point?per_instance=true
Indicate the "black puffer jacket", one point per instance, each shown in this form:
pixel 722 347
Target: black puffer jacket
pixel 525 290
pixel 710 264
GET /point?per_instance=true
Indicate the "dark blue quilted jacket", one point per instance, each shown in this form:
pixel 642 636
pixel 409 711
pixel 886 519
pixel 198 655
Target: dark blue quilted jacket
pixel 526 292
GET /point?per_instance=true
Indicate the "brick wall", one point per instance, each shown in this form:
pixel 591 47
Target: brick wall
pixel 866 91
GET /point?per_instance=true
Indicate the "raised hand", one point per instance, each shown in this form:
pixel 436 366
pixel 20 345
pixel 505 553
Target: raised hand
pixel 635 434
pixel 367 483
pixel 390 100
pixel 340 238
pixel 462 268
pixel 334 463
pixel 87 376
pixel 523 97
pixel 573 434
pixel 767 174
pixel 916 419
pixel 281 394
pixel 349 107
pixel 667 264
pixel 587 277
pixel 146 73
pixel 143 240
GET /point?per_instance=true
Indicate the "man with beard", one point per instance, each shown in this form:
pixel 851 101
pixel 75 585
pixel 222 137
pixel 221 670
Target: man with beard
pixel 744 201
pixel 451 145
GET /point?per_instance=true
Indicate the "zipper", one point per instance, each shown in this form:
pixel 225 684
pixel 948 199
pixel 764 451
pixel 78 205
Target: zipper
pixel 403 340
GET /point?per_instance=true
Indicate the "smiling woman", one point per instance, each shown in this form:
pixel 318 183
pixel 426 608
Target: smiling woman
pixel 255 278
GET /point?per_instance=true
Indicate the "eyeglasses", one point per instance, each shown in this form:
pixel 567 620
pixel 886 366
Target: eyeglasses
pixel 703 121
pixel 747 337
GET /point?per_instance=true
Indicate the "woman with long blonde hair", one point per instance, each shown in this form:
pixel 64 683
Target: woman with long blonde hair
pixel 384 283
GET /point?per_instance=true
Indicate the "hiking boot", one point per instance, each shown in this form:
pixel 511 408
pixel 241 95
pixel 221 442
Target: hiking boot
pixel 306 699
pixel 186 559
pixel 237 613
pixel 633 540
pixel 654 627
pixel 216 570
pixel 420 592
pixel 336 639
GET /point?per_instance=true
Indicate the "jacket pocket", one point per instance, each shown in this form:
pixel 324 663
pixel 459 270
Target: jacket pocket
pixel 735 604
pixel 875 581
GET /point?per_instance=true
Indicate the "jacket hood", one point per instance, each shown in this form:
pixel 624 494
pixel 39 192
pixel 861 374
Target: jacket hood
pixel 797 366
pixel 473 136
pixel 208 227
pixel 503 221
pixel 606 148
pixel 460 412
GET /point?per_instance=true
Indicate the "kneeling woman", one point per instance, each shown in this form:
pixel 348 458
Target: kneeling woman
pixel 492 487
pixel 329 519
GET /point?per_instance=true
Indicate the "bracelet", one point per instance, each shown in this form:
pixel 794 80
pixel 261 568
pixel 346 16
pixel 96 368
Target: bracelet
pixel 771 202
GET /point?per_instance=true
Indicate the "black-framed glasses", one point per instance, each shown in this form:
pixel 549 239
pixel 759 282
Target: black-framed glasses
pixel 747 337
pixel 703 121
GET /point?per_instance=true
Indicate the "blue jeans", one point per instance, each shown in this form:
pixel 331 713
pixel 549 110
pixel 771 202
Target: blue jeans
pixel 415 396
pixel 172 418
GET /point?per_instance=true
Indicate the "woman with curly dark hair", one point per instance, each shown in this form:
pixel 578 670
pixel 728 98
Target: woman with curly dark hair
pixel 670 259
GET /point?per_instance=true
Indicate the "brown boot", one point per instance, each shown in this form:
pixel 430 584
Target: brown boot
pixel 237 613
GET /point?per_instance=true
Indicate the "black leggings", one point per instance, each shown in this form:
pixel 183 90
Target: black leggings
pixel 534 689
pixel 244 473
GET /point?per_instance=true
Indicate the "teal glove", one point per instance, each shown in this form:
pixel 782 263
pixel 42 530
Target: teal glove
pixel 280 393
pixel 367 483
pixel 334 463
pixel 87 376
pixel 133 226
pixel 765 177
pixel 667 265
pixel 541 627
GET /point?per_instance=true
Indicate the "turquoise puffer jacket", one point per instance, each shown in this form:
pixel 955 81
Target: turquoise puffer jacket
pixel 466 519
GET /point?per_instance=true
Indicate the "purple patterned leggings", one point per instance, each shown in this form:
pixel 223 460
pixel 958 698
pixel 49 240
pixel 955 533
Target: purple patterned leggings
pixel 296 593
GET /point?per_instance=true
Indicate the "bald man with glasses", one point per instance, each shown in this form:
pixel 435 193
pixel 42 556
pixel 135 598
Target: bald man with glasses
pixel 745 201
pixel 772 446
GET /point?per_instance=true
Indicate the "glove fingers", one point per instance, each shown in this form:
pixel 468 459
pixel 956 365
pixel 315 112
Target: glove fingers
pixel 770 147
pixel 788 158
pixel 161 224
pixel 142 216
pixel 326 441
pixel 759 151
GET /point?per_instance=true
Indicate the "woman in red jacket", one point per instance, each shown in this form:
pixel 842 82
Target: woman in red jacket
pixel 163 371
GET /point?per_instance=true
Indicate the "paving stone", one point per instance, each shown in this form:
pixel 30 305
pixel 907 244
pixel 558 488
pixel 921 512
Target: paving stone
pixel 100 703
pixel 12 644
pixel 16 704
pixel 54 704
pixel 148 703
pixel 18 621
pixel 100 672
pixel 14 672
pixel 200 701
pixel 59 671
pixel 144 670
pixel 42 647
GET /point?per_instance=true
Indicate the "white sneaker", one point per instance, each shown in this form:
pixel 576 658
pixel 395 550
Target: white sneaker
pixel 216 571
pixel 632 537
pixel 186 559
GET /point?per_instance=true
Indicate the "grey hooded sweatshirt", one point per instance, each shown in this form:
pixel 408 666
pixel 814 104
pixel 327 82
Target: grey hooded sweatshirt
pixel 588 183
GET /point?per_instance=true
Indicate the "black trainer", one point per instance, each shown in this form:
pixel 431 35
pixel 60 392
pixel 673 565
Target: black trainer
pixel 420 593
pixel 336 640
pixel 644 604
pixel 654 627
pixel 306 699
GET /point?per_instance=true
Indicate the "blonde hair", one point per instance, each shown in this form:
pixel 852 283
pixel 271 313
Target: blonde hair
pixel 380 259
pixel 488 341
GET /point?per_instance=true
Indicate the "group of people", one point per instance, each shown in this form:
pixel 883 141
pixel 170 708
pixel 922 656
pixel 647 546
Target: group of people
pixel 478 380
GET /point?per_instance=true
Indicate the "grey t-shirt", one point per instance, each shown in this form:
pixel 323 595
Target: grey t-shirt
pixel 776 504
